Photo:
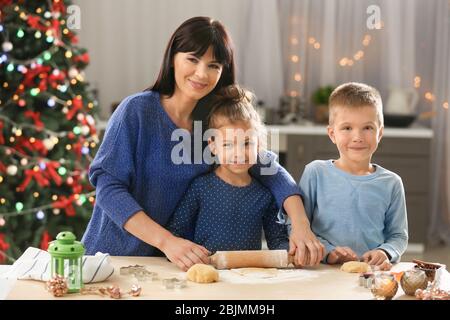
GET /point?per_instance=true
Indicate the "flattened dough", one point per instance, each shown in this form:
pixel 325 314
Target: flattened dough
pixel 355 266
pixel 257 272
pixel 202 273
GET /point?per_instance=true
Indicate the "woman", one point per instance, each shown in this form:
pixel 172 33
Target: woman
pixel 138 185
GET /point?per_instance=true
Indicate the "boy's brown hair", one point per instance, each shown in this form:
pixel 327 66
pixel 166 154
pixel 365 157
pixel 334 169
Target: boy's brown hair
pixel 355 95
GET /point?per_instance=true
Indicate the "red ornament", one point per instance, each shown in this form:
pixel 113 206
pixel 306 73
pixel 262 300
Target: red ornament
pixel 45 239
pixel 36 116
pixel 2 139
pixel 3 247
pixel 77 104
pixel 66 204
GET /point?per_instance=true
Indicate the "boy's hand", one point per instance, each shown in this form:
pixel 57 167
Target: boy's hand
pixel 307 249
pixel 378 258
pixel 184 253
pixel 340 255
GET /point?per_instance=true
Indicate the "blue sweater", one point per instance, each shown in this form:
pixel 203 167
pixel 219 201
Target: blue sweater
pixel 227 217
pixel 360 212
pixel 133 171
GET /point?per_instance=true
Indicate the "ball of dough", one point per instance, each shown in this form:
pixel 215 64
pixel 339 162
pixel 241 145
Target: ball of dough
pixel 202 273
pixel 355 266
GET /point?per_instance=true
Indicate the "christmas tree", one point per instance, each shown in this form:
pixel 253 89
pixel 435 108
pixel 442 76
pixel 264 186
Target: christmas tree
pixel 47 129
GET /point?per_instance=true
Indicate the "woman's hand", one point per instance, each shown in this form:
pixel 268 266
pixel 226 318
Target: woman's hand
pixel 184 253
pixel 308 250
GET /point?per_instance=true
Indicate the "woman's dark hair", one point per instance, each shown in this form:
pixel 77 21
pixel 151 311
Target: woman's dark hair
pixel 197 35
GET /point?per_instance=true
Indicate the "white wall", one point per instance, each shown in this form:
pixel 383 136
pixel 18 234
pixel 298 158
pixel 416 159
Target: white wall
pixel 126 41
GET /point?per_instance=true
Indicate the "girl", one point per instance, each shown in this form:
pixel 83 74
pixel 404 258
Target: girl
pixel 227 209
pixel 137 184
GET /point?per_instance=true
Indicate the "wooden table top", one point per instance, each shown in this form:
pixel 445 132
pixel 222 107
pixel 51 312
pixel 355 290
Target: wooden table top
pixel 322 282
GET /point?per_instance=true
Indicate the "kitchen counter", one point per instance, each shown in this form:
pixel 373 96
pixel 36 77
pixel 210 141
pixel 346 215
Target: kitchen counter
pixel 323 282
pixel 278 134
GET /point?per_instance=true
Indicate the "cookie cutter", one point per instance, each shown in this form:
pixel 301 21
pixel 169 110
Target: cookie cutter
pixel 174 283
pixel 139 272
pixel 366 279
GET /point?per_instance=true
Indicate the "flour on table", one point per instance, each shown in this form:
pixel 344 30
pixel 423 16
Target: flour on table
pixel 264 275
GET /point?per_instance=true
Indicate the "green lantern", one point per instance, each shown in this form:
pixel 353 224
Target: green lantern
pixel 66 259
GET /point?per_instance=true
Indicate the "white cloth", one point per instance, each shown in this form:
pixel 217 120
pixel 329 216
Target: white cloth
pixel 35 264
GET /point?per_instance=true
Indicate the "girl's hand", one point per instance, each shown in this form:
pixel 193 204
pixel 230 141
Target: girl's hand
pixel 307 249
pixel 184 253
pixel 341 255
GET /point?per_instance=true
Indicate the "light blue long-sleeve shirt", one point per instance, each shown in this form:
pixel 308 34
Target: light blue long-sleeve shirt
pixel 360 212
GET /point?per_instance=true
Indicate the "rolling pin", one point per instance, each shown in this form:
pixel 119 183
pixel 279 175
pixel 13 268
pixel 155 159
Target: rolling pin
pixel 251 258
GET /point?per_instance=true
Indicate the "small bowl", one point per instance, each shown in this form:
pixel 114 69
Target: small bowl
pixel 398 120
pixel 429 272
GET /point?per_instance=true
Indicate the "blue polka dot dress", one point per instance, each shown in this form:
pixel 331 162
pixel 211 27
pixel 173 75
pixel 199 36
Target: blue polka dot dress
pixel 220 216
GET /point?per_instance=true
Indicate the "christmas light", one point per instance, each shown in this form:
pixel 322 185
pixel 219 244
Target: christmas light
pixel 35 194
pixel 1 28
pixel 3 58
pixel 2 200
pixel 56 212
pixel 32 140
pixel 51 102
pixel 66 31
pixel 18 132
pixel 49 39
pixel 34 92
pixel 20 33
pixel 11 170
pixel 68 54
pixel 297 77
pixel 39 61
pixel 10 67
pixel 62 171
pixel 91 199
pixel 47 14
pixel 40 215
pixel 68 147
pixel 2 221
pixel 54 197
pixel 19 206
pixel 47 55
pixel 445 105
pixel 5 84
pixel 62 88
pixel 77 130
pixel 1 179
pixel 7 46
pixel 22 69
pixel 84 150
pixel 42 165
pixel 23 161
pixel 294 58
pixel 22 103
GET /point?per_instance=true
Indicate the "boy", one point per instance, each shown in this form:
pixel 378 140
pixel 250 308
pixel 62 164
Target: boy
pixel 357 209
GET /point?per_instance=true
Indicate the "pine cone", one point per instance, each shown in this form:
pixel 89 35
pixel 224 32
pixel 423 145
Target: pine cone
pixel 57 286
